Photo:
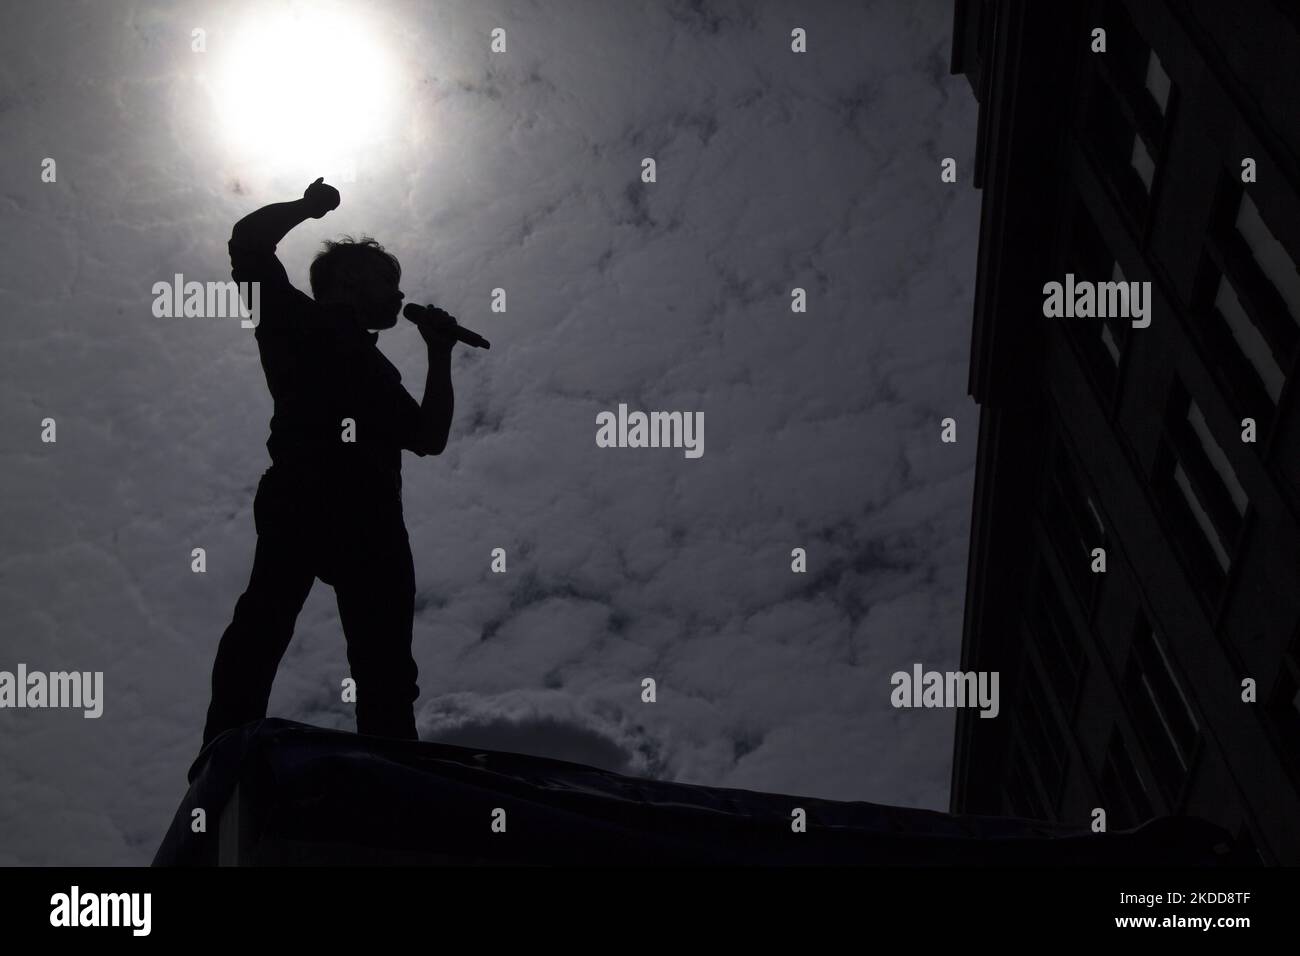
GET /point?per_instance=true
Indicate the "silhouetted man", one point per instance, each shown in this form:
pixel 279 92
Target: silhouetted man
pixel 330 505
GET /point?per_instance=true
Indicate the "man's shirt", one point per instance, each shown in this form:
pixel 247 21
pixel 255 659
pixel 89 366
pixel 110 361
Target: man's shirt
pixel 321 368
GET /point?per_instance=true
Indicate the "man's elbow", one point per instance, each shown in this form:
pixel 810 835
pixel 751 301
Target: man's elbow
pixel 247 234
pixel 429 447
pixel 242 240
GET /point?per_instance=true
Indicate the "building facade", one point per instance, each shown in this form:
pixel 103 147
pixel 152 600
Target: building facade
pixel 1169 682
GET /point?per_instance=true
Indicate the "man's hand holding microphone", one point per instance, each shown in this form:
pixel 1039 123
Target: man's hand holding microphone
pixel 440 329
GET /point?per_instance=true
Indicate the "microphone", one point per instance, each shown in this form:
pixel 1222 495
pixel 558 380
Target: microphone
pixel 426 313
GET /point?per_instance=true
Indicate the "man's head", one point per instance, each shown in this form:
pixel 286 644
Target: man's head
pixel 359 273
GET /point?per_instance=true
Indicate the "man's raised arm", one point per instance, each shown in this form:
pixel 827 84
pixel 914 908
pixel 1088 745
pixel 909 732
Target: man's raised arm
pixel 264 228
pixel 253 259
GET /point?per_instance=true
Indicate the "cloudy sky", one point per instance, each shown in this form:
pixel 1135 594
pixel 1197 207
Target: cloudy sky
pixel 519 170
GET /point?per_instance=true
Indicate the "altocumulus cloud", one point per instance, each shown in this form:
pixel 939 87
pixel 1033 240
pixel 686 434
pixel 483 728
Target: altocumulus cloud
pixel 522 172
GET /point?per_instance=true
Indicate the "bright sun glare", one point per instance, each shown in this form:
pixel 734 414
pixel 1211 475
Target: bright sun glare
pixel 304 88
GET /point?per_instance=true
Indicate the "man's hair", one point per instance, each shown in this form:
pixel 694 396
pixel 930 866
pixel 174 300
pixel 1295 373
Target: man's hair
pixel 340 264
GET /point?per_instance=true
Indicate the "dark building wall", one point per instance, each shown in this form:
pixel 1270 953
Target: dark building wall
pixel 1123 690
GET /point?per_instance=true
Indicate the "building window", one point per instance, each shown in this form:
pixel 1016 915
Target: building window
pixel 1040 729
pixel 1121 156
pixel 1254 326
pixel 1021 793
pixel 1248 338
pixel 1059 647
pixel 1124 791
pixel 1202 519
pixel 1142 162
pixel 1100 342
pixel 1157 82
pixel 1162 714
pixel 1202 500
pixel 1108 326
pixel 1128 100
pixel 1073 523
pixel 1212 452
pixel 1270 256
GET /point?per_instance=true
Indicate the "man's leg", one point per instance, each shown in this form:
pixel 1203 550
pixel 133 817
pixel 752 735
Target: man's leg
pixel 251 647
pixel 375 588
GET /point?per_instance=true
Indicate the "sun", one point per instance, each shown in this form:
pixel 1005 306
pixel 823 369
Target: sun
pixel 304 88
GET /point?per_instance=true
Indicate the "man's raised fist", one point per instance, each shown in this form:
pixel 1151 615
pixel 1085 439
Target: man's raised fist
pixel 321 198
